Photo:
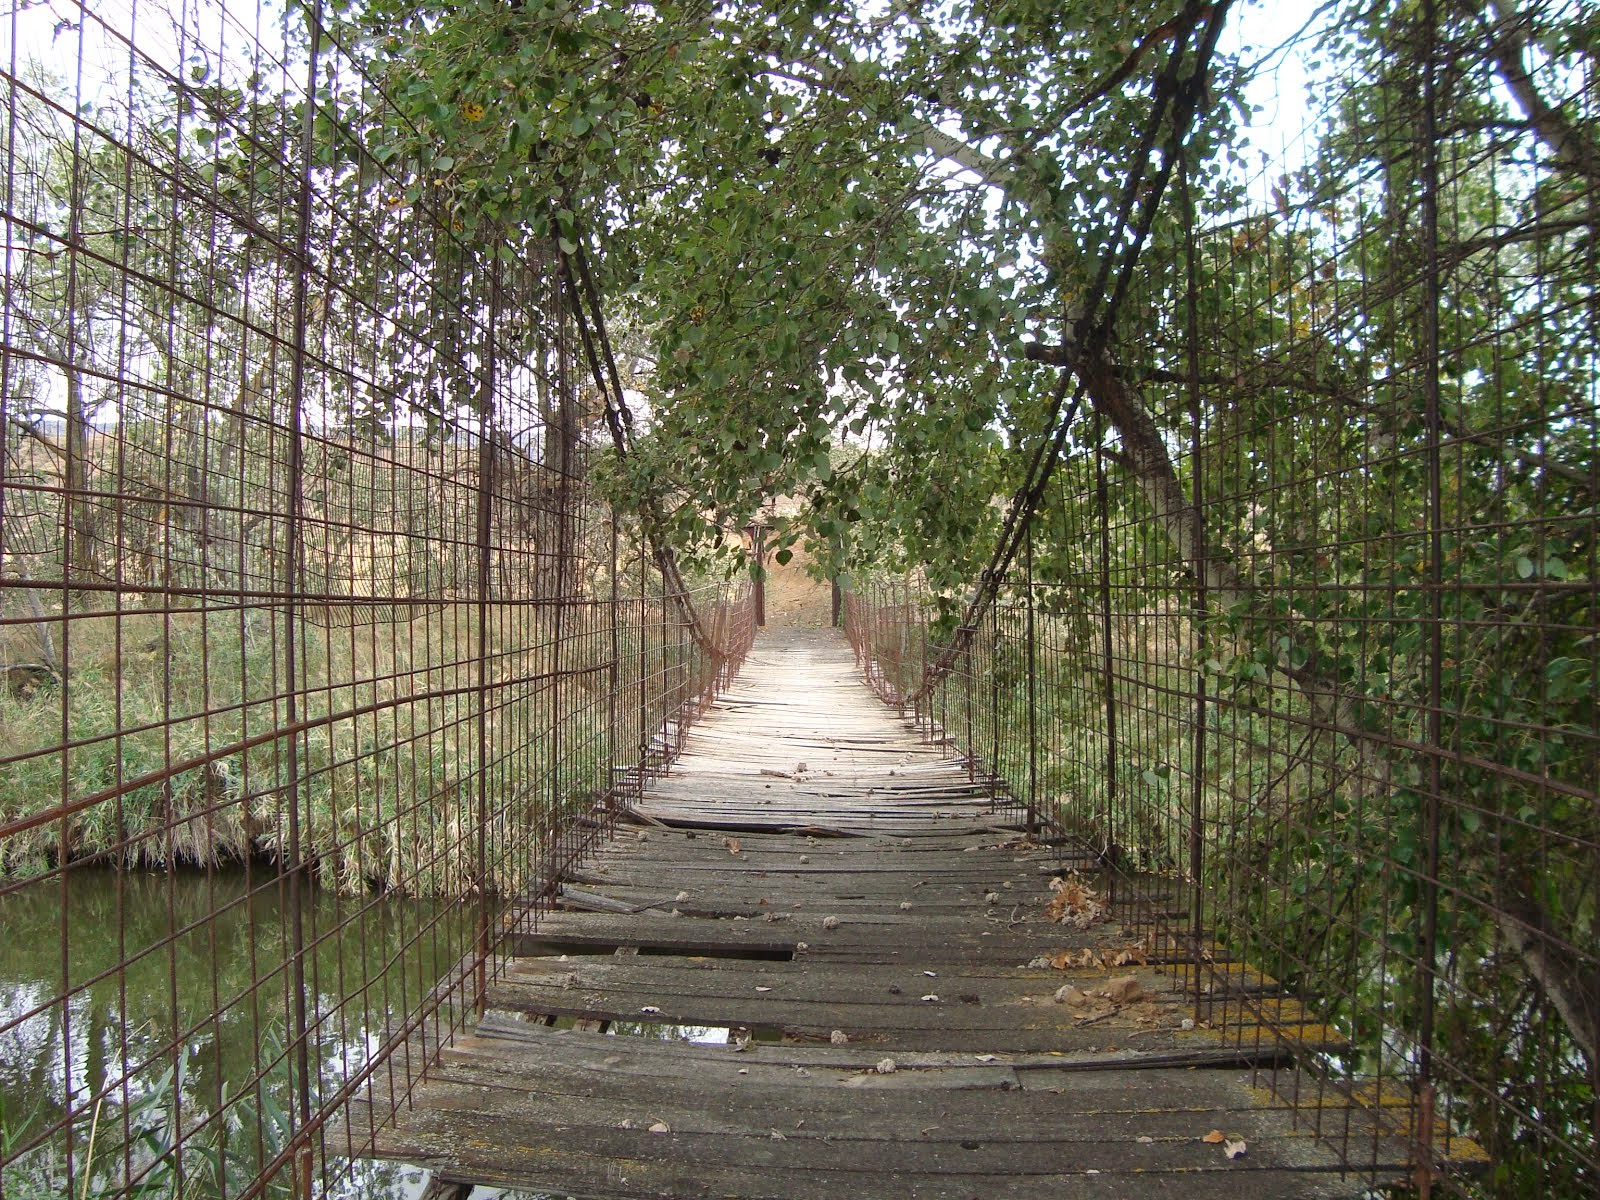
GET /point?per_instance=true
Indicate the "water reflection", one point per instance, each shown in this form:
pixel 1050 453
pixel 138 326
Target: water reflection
pixel 133 1006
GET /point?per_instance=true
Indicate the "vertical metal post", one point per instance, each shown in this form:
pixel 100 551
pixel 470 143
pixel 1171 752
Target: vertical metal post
pixel 758 536
pixel 567 301
pixel 1428 812
pixel 614 671
pixel 1033 684
pixel 294 568
pixel 487 484
pixel 644 662
pixel 74 552
pixel 994 703
pixel 1196 497
pixel 968 635
pixel 1103 502
pixel 903 656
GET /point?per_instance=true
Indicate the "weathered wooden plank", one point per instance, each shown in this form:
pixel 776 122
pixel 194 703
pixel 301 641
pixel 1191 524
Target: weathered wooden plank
pixel 516 1038
pixel 712 1153
pixel 997 1090
pixel 926 1028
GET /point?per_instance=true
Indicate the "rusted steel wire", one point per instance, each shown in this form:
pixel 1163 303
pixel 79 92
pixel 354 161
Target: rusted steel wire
pixel 1173 110
pixel 1313 608
pixel 319 656
pixel 619 420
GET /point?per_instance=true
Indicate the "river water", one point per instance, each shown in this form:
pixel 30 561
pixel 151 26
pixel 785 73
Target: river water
pixel 196 958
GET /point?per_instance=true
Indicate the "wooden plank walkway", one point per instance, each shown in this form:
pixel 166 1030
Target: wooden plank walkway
pixel 809 978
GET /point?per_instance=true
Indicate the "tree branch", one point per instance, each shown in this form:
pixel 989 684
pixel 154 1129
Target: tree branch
pixel 996 172
pixel 1570 984
pixel 1509 49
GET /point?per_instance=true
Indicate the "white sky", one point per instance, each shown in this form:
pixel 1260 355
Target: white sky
pixel 1282 127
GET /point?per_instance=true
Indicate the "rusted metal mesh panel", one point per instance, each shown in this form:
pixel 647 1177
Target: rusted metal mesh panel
pixel 319 655
pixel 1307 638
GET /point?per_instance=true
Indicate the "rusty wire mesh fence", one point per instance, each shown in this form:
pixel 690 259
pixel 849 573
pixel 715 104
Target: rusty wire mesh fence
pixel 319 655
pixel 1308 635
pixel 979 708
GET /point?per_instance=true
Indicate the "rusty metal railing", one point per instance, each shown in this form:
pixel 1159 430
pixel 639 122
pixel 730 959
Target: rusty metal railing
pixel 1302 642
pixel 317 650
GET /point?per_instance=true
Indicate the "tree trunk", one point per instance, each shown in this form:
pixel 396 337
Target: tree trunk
pixel 79 562
pixel 1572 987
pixel 1508 49
pixel 1146 457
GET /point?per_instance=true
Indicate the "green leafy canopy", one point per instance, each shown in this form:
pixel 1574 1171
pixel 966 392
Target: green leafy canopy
pixel 835 228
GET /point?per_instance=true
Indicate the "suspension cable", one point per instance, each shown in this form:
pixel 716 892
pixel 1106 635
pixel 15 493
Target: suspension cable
pixel 1181 96
pixel 585 295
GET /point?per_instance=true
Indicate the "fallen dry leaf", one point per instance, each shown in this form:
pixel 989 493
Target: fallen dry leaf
pixel 732 844
pixel 1075 903
pixel 1215 1138
pixel 1127 957
pixel 1234 1149
pixel 838 1037
pixel 991 897
pixel 830 922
